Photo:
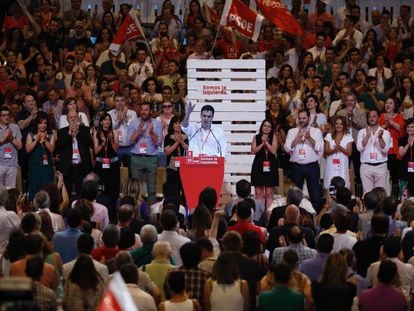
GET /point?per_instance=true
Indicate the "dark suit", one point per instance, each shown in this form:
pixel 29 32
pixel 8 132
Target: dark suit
pixel 74 173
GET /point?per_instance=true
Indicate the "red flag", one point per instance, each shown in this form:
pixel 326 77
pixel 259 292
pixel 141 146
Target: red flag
pixel 117 296
pixel 276 12
pixel 212 15
pixel 130 29
pixel 240 17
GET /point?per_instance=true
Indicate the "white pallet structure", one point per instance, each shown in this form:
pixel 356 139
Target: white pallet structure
pixel 239 110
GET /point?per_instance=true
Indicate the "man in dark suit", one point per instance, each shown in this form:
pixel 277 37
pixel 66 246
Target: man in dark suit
pixel 72 150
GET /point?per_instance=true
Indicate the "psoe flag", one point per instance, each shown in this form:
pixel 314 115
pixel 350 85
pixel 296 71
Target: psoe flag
pixel 277 13
pixel 240 17
pixel 130 29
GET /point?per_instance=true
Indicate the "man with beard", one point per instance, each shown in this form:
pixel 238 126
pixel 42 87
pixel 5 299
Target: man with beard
pixel 145 134
pixel 305 146
pixel 373 143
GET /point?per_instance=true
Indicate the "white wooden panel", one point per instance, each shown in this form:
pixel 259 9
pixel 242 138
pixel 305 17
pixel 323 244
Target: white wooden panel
pixel 239 114
pixel 227 63
pixel 234 116
pixel 230 75
pixel 258 106
pixel 230 84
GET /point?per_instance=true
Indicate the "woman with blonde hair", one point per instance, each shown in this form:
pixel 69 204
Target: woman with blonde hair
pixel 132 188
pixel 333 291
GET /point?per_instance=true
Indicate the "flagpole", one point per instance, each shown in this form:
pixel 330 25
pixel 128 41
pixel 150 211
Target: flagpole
pixel 215 38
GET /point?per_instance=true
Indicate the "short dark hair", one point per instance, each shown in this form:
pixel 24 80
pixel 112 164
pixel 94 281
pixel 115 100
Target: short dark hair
pixel 34 268
pixel 337 182
pixel 389 206
pixel 343 196
pixel 342 220
pixel 90 189
pixel 126 238
pixel 232 241
pixel 74 217
pixel 243 209
pixel 371 200
pixel 207 108
pixel 176 281
pixel 28 222
pixel 168 220
pixel 295 234
pixel 111 235
pixel 85 244
pixel 190 254
pixel 392 246
pixel 129 273
pixel 205 243
pixel 33 244
pixel 387 271
pixel 282 272
pixel 325 243
pixel 380 223
pixel 243 188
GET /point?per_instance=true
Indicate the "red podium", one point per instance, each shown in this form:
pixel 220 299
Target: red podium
pixel 198 173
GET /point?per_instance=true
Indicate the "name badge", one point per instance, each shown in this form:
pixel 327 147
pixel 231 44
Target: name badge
pixel 176 163
pixel 45 160
pixel 75 154
pixel 189 153
pixel 410 167
pixel 373 155
pixel 106 163
pixel 302 154
pixel 336 162
pixel 143 148
pixel 8 153
pixel 266 166
pixel 120 137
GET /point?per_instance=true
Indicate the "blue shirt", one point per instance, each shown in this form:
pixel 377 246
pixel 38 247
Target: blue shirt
pixel 145 145
pixel 313 267
pixel 65 243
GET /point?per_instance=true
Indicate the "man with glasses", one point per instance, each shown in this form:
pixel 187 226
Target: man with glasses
pixel 10 142
pixel 141 69
pixel 122 118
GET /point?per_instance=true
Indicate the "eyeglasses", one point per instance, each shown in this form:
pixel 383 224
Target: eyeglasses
pixel 167 106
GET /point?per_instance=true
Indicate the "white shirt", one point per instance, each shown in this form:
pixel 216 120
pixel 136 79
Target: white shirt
pixel 63 122
pixel 122 128
pixel 318 52
pixel 209 142
pixel 372 152
pixel 57 220
pixel 405 270
pixel 303 153
pixel 8 221
pixel 343 240
pixel 176 241
pixel 142 71
pixel 358 36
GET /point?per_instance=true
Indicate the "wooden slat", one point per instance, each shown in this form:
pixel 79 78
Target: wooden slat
pixel 230 75
pixel 228 63
pixel 259 106
pixel 234 116
pixel 230 84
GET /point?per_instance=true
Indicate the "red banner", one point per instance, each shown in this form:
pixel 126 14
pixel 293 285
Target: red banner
pixel 240 17
pixel 130 29
pixel 276 12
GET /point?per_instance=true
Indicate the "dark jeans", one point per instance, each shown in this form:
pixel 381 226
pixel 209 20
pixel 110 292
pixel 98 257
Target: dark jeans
pixel 310 172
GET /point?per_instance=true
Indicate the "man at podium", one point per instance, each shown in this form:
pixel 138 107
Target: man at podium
pixel 204 137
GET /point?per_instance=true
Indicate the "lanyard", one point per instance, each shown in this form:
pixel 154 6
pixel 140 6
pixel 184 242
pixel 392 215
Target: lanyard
pixel 203 142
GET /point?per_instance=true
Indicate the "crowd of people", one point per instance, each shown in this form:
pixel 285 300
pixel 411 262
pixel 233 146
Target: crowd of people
pixel 73 113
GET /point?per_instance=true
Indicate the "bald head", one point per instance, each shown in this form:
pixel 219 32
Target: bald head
pixel 292 213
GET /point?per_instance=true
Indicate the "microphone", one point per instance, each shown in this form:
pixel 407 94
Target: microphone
pixel 192 136
pixel 218 144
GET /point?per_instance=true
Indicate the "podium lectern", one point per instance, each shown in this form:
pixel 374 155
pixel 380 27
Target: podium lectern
pixel 198 173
